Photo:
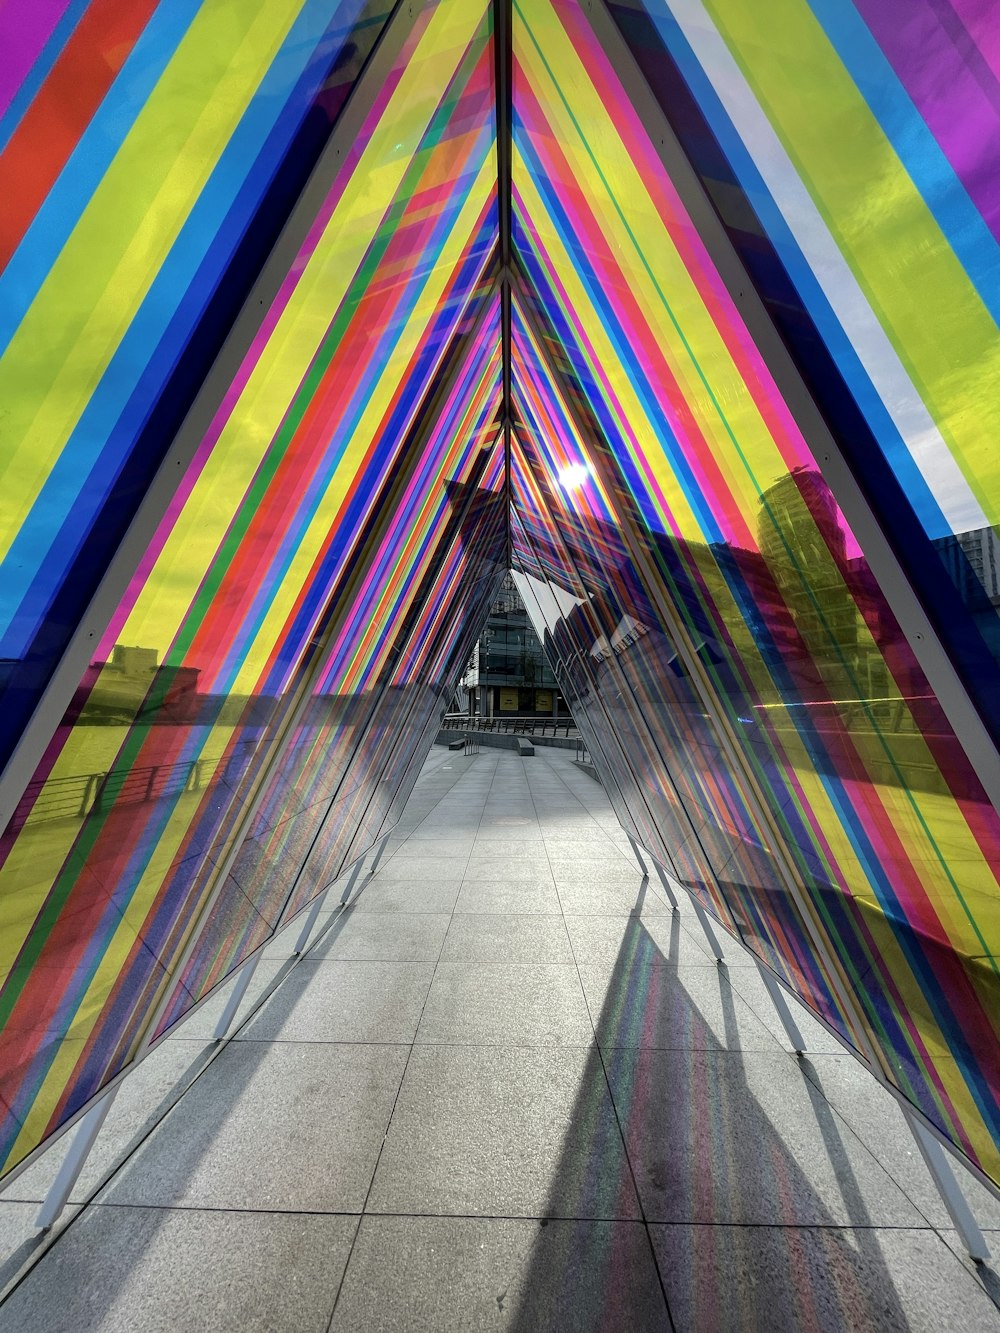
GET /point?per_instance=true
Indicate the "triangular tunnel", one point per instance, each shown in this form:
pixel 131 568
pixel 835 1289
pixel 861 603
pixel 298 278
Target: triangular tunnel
pixel 528 308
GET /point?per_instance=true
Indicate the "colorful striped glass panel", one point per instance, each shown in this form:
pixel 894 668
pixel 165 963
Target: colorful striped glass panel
pixel 150 153
pixel 822 722
pixel 852 148
pixel 213 657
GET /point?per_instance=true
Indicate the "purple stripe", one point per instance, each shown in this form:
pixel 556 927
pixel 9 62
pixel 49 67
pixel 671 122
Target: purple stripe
pixel 948 70
pixel 978 17
pixel 24 30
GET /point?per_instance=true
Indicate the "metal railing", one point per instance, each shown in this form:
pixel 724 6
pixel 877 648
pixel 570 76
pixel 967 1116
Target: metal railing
pixel 78 795
pixel 518 726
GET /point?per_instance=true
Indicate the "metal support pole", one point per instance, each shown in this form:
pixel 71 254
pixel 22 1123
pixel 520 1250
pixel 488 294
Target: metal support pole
pixel 638 855
pixel 781 1004
pixel 352 881
pixel 310 921
pixel 73 1163
pixel 667 886
pixel 949 1189
pixel 239 990
pixel 706 925
pixel 378 856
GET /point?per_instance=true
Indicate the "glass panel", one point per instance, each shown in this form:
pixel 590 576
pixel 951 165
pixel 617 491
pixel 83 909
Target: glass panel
pixel 321 490
pixel 150 154
pixel 853 152
pixel 687 503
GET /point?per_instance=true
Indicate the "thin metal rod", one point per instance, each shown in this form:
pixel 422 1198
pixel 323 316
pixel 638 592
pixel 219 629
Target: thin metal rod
pixel 781 1005
pixel 73 1163
pixel 668 888
pixel 705 922
pixel 503 84
pixel 243 979
pixel 948 1187
pixel 638 855
pixel 310 921
pixel 345 896
pixel 378 856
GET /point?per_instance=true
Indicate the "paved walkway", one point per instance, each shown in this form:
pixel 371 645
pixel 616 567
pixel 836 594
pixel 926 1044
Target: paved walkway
pixel 508 1089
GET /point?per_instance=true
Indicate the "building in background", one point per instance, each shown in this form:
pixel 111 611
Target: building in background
pixel 508 672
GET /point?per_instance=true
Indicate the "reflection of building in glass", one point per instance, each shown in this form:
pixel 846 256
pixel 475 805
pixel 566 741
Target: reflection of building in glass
pixel 972 560
pixel 132 682
pixel 803 543
pixel 508 671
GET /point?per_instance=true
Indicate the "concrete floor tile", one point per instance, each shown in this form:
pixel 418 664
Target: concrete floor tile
pixel 513 939
pixel 592 860
pixel 652 938
pixel 604 898
pixel 526 831
pixel 985 1275
pixel 513 870
pixel 449 1274
pixel 328 1000
pixel 438 896
pixel 422 848
pixel 514 1004
pixel 21 1243
pixel 723 1279
pixel 562 841
pixel 744 1137
pixel 506 849
pixel 633 1003
pixel 597 873
pixel 404 937
pixel 420 870
pixel 288 1126
pixel 502 896
pixel 504 1131
pixel 120 1270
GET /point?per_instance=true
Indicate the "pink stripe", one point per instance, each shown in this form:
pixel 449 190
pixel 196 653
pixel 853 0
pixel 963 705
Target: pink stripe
pixel 24 30
pixel 980 18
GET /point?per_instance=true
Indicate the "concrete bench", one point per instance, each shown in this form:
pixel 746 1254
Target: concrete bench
pixel 456 745
pixel 524 748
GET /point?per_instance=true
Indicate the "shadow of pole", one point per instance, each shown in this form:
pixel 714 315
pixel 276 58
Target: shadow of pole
pixel 739 1234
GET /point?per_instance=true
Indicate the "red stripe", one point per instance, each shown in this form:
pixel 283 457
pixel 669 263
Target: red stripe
pixel 62 110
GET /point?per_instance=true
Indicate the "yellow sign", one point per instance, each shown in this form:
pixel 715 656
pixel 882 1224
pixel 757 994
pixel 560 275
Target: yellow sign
pixel 543 701
pixel 508 701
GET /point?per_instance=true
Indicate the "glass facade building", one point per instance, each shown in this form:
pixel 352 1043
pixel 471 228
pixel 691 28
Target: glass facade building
pixel 509 673
pixel 321 317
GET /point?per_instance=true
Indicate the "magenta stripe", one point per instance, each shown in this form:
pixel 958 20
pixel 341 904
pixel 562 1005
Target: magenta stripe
pixel 950 71
pixel 24 30
pixel 979 18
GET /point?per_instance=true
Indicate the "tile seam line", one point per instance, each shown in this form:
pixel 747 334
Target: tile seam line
pixel 406 1065
pixel 607 1082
